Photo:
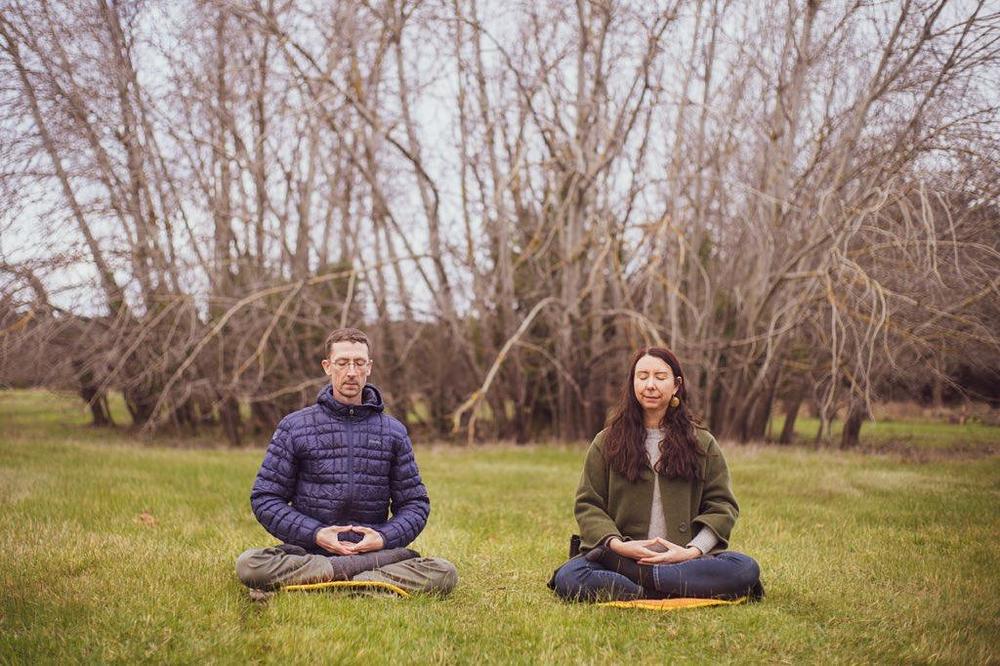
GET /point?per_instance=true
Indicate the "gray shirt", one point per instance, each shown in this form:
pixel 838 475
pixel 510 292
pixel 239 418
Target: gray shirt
pixel 657 519
pixel 706 538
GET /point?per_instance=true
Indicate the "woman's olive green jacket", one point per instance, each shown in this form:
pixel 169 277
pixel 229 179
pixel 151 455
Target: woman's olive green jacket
pixel 608 505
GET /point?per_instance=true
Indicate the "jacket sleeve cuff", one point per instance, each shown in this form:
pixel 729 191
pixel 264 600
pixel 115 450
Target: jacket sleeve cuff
pixel 389 538
pixel 303 533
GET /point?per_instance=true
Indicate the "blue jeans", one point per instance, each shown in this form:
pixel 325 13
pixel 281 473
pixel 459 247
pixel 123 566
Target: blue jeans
pixel 725 575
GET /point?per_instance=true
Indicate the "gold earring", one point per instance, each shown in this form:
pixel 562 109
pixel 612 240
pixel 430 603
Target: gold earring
pixel 675 401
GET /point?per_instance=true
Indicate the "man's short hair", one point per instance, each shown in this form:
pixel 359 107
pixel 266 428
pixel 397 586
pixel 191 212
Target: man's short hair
pixel 347 335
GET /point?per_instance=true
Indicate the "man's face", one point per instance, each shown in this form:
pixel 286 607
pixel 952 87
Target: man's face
pixel 348 368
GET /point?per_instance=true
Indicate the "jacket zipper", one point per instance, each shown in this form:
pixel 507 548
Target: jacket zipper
pixel 350 466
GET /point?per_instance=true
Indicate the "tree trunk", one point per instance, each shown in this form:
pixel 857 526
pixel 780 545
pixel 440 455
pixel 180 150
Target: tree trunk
pixel 140 404
pixel 825 425
pixel 937 392
pixel 229 416
pixel 760 414
pixel 857 414
pixel 98 403
pixel 791 414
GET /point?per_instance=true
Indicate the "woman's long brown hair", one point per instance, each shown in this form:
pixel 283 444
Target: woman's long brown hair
pixel 625 441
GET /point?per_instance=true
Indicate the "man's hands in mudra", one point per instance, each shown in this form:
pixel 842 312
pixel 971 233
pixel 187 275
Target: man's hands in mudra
pixel 327 539
pixel 370 540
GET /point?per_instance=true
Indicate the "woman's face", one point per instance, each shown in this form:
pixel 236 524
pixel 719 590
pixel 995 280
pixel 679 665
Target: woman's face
pixel 654 383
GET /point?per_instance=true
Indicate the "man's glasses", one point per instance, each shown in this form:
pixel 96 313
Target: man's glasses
pixel 345 363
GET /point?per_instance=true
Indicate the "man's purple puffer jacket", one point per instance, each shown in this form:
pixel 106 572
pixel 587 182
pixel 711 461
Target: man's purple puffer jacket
pixel 338 464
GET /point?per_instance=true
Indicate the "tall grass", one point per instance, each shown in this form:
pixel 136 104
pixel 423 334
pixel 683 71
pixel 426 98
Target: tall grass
pixel 865 559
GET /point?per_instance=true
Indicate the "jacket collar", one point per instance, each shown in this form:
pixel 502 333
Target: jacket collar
pixel 371 403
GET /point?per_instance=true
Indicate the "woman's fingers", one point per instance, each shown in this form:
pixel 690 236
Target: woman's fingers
pixel 657 558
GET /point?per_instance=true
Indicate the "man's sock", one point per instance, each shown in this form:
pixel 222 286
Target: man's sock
pixel 346 567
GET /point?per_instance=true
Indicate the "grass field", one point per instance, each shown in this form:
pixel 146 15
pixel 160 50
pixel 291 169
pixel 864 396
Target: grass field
pixel 865 559
pixel 908 435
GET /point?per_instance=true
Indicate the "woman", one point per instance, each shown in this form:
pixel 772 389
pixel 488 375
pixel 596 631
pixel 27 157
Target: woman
pixel 654 480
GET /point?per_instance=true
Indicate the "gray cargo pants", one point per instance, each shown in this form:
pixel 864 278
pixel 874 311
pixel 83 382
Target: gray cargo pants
pixel 271 568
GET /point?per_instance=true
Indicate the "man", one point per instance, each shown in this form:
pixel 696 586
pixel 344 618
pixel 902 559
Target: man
pixel 332 475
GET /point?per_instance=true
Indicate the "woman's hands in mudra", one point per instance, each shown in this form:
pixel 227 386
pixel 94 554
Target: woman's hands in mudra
pixel 653 551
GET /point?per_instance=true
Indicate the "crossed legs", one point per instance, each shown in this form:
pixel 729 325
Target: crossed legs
pixel 601 577
pixel 274 567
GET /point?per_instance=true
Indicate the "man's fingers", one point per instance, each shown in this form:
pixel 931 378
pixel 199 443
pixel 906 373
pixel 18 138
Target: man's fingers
pixel 360 546
pixel 336 548
pixel 330 542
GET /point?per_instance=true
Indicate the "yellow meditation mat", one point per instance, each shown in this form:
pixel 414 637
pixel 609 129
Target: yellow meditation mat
pixel 671 604
pixel 348 584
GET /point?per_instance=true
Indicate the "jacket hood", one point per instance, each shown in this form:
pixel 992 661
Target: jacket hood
pixel 371 403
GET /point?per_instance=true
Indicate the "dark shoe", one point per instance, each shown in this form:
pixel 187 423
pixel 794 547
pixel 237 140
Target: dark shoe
pixel 574 546
pixel 757 592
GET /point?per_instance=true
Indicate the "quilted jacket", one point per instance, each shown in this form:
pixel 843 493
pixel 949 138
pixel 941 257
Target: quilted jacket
pixel 338 464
